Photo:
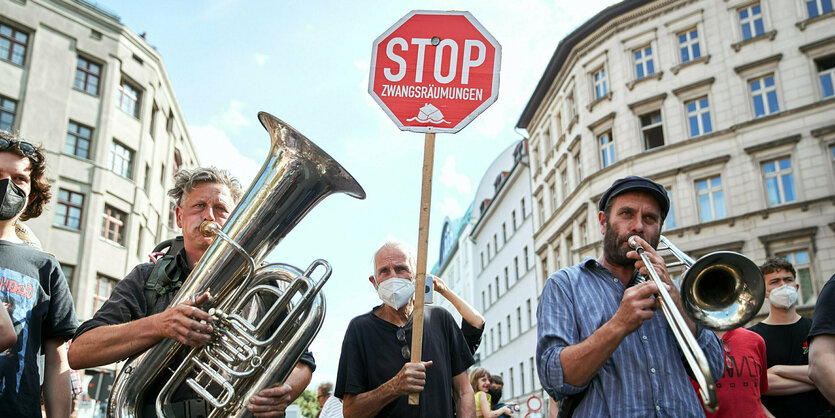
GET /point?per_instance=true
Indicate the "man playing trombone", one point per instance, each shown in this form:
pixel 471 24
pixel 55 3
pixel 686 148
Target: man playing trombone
pixel 600 342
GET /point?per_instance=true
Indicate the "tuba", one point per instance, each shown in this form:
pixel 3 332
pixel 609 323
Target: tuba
pixel 247 354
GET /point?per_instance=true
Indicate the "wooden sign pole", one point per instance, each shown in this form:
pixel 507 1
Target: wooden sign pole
pixel 423 238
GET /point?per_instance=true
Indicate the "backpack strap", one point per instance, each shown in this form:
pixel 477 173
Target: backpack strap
pixel 165 276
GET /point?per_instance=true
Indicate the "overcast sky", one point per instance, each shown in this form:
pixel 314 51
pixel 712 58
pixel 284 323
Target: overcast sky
pixel 307 62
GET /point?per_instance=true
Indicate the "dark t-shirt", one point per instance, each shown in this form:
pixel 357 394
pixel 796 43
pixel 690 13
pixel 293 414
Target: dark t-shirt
pixel 824 321
pixel 127 303
pixel 35 292
pixel 472 335
pixel 371 356
pixel 786 344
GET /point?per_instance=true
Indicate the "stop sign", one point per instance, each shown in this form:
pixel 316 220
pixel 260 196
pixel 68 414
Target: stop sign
pixel 435 71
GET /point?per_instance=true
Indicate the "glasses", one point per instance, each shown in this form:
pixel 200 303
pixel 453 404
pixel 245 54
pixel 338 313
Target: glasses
pixel 404 350
pixel 26 148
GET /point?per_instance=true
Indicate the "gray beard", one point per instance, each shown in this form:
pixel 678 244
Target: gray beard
pixel 615 248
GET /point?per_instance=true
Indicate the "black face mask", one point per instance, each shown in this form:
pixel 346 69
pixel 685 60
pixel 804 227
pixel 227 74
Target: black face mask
pixel 12 199
pixel 495 395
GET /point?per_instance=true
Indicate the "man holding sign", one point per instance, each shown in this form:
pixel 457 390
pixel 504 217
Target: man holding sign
pixel 375 374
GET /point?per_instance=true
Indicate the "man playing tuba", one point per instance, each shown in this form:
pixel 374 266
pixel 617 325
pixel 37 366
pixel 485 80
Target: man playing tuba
pixel 131 321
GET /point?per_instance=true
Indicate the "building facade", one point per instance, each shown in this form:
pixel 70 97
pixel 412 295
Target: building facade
pixel 505 279
pixel 97 97
pixel 455 261
pixel 728 104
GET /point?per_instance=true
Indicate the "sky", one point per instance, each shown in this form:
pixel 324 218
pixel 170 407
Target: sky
pixel 307 63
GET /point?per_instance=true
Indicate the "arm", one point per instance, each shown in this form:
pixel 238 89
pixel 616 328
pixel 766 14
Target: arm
pixel 822 365
pixel 799 373
pixel 462 395
pixel 110 343
pixel 57 392
pixel 8 337
pixel 410 379
pixel 767 413
pixel 272 401
pixel 780 385
pixel 467 312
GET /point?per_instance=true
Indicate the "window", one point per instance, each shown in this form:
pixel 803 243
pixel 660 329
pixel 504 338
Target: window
pixel 128 99
pixel 482 259
pixel 800 261
pixel 644 66
pixel 509 335
pixel 68 209
pixel 8 108
pixel 528 304
pixel 497 288
pixel 12 44
pixel 483 301
pixel 711 198
pixel 488 251
pixel 496 242
pixel 751 21
pixel 492 340
pixel 579 166
pixel 818 7
pixel 698 116
pixel 153 128
pixel 516 267
pixel 583 233
pixel 121 159
pixel 504 232
pixel 522 374
pixel 490 293
pixel 87 76
pixel 69 274
pixel 519 319
pixel 147 184
pixel 104 286
pixel 599 80
pixel 607 149
pixel 569 106
pixel 826 75
pixel 113 227
pixel 524 213
pixel 527 264
pixel 506 279
pixel 670 221
pixel 512 384
pixel 541 204
pixel 552 190
pixel 513 218
pixel 533 372
pixel 169 122
pixel 78 140
pixel 652 130
pixel 764 95
pixel 688 45
pixel 779 181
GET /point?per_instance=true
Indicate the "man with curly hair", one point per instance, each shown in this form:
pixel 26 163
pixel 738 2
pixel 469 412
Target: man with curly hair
pixel 34 290
pixel 133 320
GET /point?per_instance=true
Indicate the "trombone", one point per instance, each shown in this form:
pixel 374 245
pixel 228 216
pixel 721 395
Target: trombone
pixel 721 291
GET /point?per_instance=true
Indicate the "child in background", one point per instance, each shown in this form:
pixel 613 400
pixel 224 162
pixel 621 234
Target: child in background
pixel 480 381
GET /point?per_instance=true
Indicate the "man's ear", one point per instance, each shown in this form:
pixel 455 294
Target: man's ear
pixel 601 217
pixel 373 282
pixel 178 213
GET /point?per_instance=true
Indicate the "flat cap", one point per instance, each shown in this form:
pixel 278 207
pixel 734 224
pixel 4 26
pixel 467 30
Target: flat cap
pixel 637 184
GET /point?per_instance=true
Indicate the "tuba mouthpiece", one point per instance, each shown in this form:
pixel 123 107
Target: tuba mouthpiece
pixel 209 228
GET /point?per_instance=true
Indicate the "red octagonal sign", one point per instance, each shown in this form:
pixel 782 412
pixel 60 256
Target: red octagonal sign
pixel 435 71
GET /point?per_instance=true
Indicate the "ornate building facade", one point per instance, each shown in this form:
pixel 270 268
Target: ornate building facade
pixel 728 104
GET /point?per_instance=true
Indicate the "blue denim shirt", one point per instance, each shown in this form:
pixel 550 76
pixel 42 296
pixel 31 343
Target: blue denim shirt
pixel 645 376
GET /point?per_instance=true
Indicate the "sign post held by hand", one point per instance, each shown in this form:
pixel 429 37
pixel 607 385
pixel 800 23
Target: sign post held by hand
pixel 433 71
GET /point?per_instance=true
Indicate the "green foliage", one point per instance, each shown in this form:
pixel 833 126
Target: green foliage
pixel 308 404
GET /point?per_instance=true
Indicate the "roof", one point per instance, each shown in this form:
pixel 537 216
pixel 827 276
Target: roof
pixel 564 49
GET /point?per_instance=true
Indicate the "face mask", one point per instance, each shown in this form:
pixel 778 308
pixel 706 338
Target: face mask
pixel 783 297
pixel 495 394
pixel 396 292
pixel 12 199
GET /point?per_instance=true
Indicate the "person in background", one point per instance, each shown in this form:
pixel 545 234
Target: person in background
pixel 472 323
pixel 480 381
pixel 822 347
pixel 34 291
pixel 331 405
pixel 790 391
pixel 738 391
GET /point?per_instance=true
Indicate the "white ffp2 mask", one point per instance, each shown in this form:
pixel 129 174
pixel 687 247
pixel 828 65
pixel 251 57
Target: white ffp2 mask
pixel 396 292
pixel 783 297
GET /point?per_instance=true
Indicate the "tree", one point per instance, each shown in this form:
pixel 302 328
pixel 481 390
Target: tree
pixel 308 404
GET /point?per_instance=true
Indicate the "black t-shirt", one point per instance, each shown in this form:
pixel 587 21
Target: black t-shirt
pixel 34 291
pixel 824 321
pixel 371 356
pixel 786 345
pixel 127 303
pixel 472 335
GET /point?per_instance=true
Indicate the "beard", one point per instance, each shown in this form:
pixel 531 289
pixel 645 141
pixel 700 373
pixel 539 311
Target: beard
pixel 616 246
